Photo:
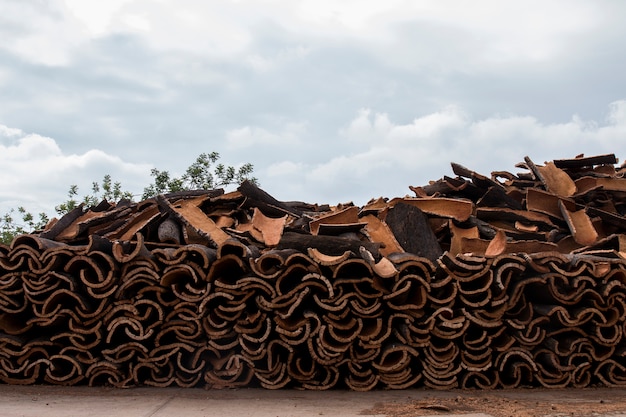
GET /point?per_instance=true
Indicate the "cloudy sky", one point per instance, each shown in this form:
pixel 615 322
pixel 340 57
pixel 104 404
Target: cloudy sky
pixel 331 101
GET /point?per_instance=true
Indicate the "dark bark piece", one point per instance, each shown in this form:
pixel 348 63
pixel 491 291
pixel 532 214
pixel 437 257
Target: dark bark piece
pixel 104 229
pixel 186 194
pixel 452 187
pixel 461 171
pixel 478 180
pixel 586 162
pixel 497 197
pixel 301 206
pixel 607 217
pixel 412 231
pixel 328 245
pixel 104 205
pixel 446 186
pixel 63 223
pixel 348 215
pixel 452 208
pixel 483 182
pixel 533 168
pixel 95 224
pixel 338 229
pixel 471 192
pixel 169 231
pixel 256 197
pixel 528 217
pixel 137 222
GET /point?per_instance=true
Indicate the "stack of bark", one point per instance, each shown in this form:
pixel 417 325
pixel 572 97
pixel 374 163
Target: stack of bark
pixel 503 281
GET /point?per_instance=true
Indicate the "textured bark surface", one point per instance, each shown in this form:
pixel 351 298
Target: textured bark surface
pixel 476 282
pixel 412 231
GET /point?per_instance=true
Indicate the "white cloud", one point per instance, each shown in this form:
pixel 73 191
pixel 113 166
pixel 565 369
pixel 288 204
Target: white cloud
pixel 96 16
pixel 9 132
pixel 37 174
pixel 496 31
pixel 283 56
pixel 363 129
pixel 519 31
pixel 39 32
pixel 617 113
pixel 250 136
pixel 285 169
pixel 394 156
pixel 286 180
pixel 137 22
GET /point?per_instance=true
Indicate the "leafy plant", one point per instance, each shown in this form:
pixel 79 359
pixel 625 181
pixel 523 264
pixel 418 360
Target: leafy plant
pixel 203 174
pixel 10 228
pixel 107 190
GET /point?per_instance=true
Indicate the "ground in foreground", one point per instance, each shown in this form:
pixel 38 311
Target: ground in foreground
pixel 56 401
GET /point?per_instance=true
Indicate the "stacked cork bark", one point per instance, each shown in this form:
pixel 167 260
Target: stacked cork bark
pixel 502 281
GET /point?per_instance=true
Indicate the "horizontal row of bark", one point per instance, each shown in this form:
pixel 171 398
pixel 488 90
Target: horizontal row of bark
pixel 508 281
pixel 191 317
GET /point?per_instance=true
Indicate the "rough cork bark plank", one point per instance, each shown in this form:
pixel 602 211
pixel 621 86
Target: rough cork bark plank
pixel 256 197
pixel 530 217
pixel 547 203
pixel 536 173
pixel 460 233
pixel 191 215
pixel 348 215
pixel 329 245
pixel 340 229
pixel 497 245
pixel 379 231
pixel 478 180
pixel 580 226
pixel 63 223
pixel 136 222
pixel 556 180
pixel 452 208
pixel 585 184
pixel 613 219
pixel 497 197
pixel 328 260
pixel 412 231
pixel 583 162
pixel 271 228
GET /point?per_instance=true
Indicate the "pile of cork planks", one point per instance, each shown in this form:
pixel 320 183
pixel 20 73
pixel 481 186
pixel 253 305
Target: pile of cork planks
pixel 502 281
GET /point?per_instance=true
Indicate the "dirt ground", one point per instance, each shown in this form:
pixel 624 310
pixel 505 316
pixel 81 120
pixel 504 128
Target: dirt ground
pixel 56 401
pixel 511 403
